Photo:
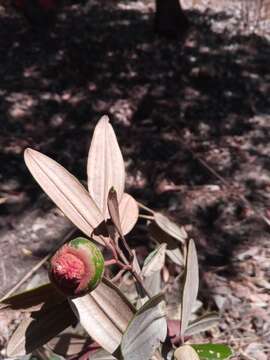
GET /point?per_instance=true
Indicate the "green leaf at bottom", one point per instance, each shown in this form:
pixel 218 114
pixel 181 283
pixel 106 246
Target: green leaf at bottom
pixel 213 351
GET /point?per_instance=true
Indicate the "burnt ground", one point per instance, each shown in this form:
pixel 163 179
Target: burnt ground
pixel 173 106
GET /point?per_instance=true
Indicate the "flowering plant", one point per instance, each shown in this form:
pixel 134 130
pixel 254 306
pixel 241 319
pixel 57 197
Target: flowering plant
pixel 78 291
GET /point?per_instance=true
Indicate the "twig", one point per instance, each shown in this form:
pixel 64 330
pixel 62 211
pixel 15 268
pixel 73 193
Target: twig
pixel 131 268
pixel 140 282
pixel 35 268
pixel 148 217
pixel 118 276
pixel 123 260
pixel 145 208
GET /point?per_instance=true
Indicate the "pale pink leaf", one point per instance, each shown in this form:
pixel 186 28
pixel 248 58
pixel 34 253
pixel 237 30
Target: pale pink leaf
pixel 105 165
pixel 65 190
pixel 170 227
pixel 104 313
pixel 146 331
pixel 113 208
pixel 191 285
pixel 101 355
pixel 202 324
pixel 154 261
pixel 129 213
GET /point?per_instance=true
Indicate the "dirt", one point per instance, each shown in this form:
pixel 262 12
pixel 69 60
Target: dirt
pixel 180 111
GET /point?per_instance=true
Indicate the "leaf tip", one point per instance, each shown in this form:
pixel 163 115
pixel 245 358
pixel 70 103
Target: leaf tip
pixel 29 153
pixel 104 119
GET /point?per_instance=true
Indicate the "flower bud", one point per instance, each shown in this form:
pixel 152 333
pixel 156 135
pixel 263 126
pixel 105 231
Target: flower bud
pixel 77 267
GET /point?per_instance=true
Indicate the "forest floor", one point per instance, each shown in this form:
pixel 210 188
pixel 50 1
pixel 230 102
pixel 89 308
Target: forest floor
pixel 193 122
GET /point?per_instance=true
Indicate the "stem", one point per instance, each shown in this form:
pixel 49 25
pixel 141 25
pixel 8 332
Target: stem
pixel 111 246
pixel 129 266
pixel 120 253
pixel 140 282
pixel 110 262
pixel 118 276
pixel 127 248
pixel 182 340
pixel 145 208
pixel 148 217
pixel 121 260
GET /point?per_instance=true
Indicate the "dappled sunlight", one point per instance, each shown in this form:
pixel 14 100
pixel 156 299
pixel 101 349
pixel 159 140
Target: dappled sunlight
pixel 175 107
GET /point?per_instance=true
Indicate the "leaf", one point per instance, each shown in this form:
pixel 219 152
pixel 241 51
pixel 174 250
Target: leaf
pixel 135 263
pixel 213 351
pixel 34 299
pixel 104 313
pixel 173 251
pixel 42 353
pixel 129 213
pixel 154 261
pixel 176 256
pixel 38 329
pixel 114 210
pixel 105 165
pixel 191 286
pixel 185 352
pixel 202 324
pixel 170 227
pixel 65 190
pixel 151 273
pixel 146 330
pixel 68 344
pixel 101 355
pixel 153 283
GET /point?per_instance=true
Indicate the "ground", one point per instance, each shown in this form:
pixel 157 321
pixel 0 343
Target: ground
pixel 193 122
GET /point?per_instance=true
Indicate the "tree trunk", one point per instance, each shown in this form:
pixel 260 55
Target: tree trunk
pixel 170 19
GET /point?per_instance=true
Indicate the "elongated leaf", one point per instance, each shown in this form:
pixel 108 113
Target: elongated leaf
pixel 176 256
pixel 65 190
pixel 170 227
pixel 37 330
pixel 104 313
pixel 129 213
pixel 113 208
pixel 153 283
pixel 154 261
pixel 213 351
pixel 34 299
pixel 173 251
pixel 68 344
pixel 191 286
pixel 202 324
pixel 101 355
pixel 151 273
pixel 153 286
pixel 185 352
pixel 135 263
pixel 146 330
pixel 105 165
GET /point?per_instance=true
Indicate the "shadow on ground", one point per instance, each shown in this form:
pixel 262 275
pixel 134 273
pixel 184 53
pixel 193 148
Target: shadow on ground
pixel 210 93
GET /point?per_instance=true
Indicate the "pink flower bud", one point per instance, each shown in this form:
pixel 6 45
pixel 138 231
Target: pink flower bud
pixel 77 267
